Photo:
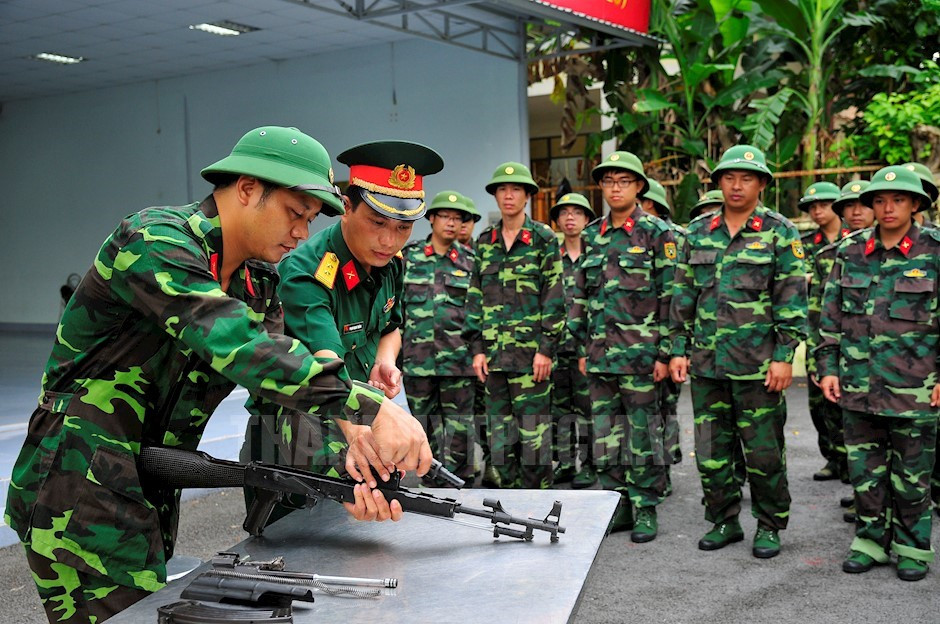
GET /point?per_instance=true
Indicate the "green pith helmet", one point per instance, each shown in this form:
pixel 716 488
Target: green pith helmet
pixel 621 161
pixel 657 194
pixel 286 157
pixel 742 158
pixel 471 207
pixel 926 178
pixel 572 199
pixel 449 200
pixel 512 173
pixel 820 191
pixel 713 197
pixel 895 178
pixel 849 193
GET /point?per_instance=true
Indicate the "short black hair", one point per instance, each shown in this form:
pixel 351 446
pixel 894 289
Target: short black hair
pixel 225 180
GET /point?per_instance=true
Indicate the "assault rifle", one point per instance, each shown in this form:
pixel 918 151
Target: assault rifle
pixel 269 484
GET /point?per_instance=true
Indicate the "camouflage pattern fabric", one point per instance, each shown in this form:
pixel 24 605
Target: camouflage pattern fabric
pixel 515 309
pixel 444 405
pixel 72 597
pixel 880 327
pixel 890 460
pixel 739 302
pixel 520 427
pixel 814 240
pixel 667 390
pixel 730 414
pixel 146 349
pixel 628 436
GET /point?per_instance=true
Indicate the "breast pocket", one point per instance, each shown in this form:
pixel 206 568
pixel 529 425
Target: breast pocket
pixel 635 272
pixel 455 288
pixel 752 272
pixel 593 270
pixel 914 300
pixel 416 293
pixel 855 293
pixel 702 262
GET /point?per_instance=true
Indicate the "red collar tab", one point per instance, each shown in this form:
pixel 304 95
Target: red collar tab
pixel 526 237
pixel 429 250
pixel 214 266
pixel 818 238
pixel 716 221
pixel 402 181
pixel 604 226
pixel 905 246
pixel 628 225
pixel 846 232
pixel 453 254
pixel 248 285
pixel 757 223
pixel 870 246
pixel 494 236
pixel 350 275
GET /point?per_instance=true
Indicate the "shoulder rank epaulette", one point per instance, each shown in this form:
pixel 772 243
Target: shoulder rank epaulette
pixel 326 272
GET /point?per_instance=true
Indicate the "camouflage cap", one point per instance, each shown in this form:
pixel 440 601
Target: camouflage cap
pixel 743 158
pixel 621 161
pixel 286 157
pixel 713 197
pixel 391 173
pixel 471 207
pixel 926 177
pixel 572 199
pixel 657 194
pixel 895 178
pixel 820 191
pixel 512 173
pixel 850 192
pixel 449 200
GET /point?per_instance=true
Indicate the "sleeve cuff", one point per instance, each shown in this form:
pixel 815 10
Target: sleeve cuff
pixel 363 403
pixel 783 353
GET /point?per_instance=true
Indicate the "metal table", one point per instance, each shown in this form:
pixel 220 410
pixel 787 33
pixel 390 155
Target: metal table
pixel 446 572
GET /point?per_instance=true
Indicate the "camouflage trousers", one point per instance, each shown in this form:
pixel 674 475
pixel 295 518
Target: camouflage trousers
pixel 628 437
pixel 667 392
pixel 444 406
pixel 827 419
pixel 74 597
pixel 571 413
pixel 890 462
pixel 520 428
pixel 729 414
pixel 935 478
pixel 479 418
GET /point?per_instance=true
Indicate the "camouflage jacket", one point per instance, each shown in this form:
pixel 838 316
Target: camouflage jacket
pixel 820 267
pixel 147 347
pixel 568 346
pixel 516 301
pixel 739 302
pixel 622 293
pixel 434 308
pixel 880 326
pixel 815 240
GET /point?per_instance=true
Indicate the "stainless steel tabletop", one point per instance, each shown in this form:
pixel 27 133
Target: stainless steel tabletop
pixel 446 572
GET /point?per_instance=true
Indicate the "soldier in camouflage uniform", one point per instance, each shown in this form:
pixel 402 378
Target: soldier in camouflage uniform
pixel 654 202
pixel 436 363
pixel 175 311
pixel 515 318
pixel 465 232
pixel 571 400
pixel 341 295
pixel 709 202
pixel 739 312
pixel 817 201
pixel 619 320
pixel 879 360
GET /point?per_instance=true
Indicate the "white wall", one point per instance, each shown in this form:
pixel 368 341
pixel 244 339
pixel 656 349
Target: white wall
pixel 73 165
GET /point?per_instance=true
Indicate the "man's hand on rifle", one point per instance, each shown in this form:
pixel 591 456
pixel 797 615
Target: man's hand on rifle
pixel 371 505
pixel 394 441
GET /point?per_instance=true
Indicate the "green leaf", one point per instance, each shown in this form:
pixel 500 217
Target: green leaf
pixel 862 19
pixel 700 71
pixel 787 14
pixel 761 125
pixel 685 195
pixel 651 100
pixel 744 85
pixel 888 71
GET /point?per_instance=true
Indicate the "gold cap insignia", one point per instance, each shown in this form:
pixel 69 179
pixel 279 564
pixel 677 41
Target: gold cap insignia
pixel 402 177
pixel 812 191
pixel 451 198
pixel 890 176
pixel 510 171
pixel 566 198
pixel 748 155
pixel 855 188
pixel 615 156
pixel 331 175
pixel 910 167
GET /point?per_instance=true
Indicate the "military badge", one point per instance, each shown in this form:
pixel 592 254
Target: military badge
pixel 748 155
pixel 669 250
pixel 915 273
pixel 812 191
pixel 326 271
pixel 452 255
pixel 797 247
pixel 428 250
pixel 636 249
pixel 403 177
pixel 350 275
pixel 756 224
pixel 759 245
pixel 509 170
pixel 351 328
pixel 388 304
pixel 890 176
pixel 526 237
pixel 615 156
pixel 459 273
pixel 855 188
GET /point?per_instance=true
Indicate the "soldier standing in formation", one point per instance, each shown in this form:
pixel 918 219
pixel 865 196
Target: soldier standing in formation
pixel 817 201
pixel 620 321
pixel 435 359
pixel 739 312
pixel 571 401
pixel 879 361
pixel 515 319
pixel 179 306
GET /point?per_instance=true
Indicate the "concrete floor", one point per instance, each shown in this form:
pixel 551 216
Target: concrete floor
pixel 668 580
